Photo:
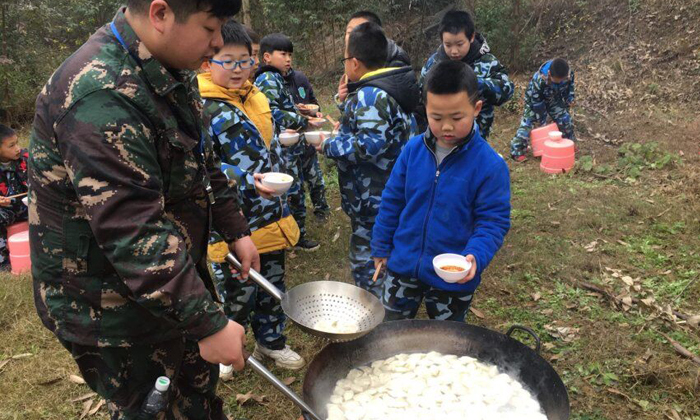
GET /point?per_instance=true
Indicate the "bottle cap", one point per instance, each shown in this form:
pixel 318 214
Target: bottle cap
pixel 162 383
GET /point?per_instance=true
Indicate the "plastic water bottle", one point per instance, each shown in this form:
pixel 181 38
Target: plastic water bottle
pixel 157 399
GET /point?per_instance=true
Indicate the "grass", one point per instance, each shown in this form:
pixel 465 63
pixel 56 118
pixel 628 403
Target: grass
pixel 648 229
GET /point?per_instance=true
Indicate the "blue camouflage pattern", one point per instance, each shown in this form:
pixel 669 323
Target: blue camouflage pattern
pixel 247 304
pixel 373 131
pixel 402 297
pixel 495 87
pixel 544 98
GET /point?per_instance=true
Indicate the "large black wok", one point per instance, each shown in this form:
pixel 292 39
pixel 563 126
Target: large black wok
pixel 422 336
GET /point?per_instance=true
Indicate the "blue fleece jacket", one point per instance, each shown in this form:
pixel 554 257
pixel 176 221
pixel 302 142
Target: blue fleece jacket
pixel 461 207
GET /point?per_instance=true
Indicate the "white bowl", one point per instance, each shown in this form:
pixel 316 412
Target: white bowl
pixel 289 139
pixel 456 260
pixel 314 137
pixel 25 200
pixel 278 182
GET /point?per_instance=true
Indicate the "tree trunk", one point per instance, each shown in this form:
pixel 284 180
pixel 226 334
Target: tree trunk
pixel 246 14
pixel 515 46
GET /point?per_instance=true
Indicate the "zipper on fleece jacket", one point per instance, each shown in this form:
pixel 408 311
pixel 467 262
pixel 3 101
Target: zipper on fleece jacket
pixel 430 204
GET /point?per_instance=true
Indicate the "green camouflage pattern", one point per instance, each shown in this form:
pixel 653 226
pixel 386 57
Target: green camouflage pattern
pixel 119 214
pixel 125 376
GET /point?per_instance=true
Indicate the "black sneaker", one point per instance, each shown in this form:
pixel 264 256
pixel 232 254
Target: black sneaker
pixel 307 245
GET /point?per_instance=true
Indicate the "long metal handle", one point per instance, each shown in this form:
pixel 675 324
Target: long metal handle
pixel 257 278
pixel 284 389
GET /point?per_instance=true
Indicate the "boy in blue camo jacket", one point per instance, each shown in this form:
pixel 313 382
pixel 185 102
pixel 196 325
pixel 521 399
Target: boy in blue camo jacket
pixel 277 51
pixel 377 122
pixel 244 136
pixel 550 92
pixel 461 42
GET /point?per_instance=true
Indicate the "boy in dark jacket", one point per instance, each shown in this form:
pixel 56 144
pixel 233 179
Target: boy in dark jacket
pixel 13 165
pixel 449 192
pixel 460 42
pixel 377 122
pixel 277 51
pixel 303 93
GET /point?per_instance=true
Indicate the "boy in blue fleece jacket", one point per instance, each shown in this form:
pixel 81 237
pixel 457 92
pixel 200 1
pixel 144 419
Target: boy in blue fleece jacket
pixel 449 192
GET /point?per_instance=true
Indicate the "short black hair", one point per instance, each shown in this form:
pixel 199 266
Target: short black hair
pixel 5 132
pixel 235 34
pixel 183 9
pixel 368 44
pixel 254 36
pixel 276 42
pixel 366 15
pixel 450 77
pixel 559 68
pixel 456 21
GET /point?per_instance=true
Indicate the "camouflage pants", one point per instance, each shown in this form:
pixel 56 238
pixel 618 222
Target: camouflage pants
pixel 485 120
pixel 402 297
pixel 361 262
pixel 125 376
pixel 245 302
pixel 312 175
pixel 4 251
pixel 296 194
pixel 558 112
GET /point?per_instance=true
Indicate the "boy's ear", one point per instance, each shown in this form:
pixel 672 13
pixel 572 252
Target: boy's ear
pixel 477 108
pixel 266 57
pixel 206 66
pixel 473 37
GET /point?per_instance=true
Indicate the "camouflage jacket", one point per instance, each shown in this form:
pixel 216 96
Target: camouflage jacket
pixel 119 214
pixel 243 153
pixel 271 82
pixel 495 87
pixel 542 93
pixel 375 125
pixel 13 181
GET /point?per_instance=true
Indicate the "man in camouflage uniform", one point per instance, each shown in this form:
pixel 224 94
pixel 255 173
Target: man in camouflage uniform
pixel 375 125
pixel 550 92
pixel 495 88
pixel 123 187
pixel 277 50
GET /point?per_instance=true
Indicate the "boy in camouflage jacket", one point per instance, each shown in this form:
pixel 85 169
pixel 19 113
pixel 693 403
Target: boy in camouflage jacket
pixel 376 123
pixel 550 92
pixel 460 42
pixel 244 137
pixel 13 166
pixel 276 51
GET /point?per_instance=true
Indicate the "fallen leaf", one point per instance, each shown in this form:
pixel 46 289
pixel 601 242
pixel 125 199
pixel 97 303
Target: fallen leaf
pixel 566 334
pixel 292 255
pixel 84 397
pixel 548 346
pixel 96 408
pixel 555 224
pixel 21 356
pixel 649 301
pixel 547 312
pixel 3 363
pixel 336 236
pixel 289 381
pixel 628 280
pixel 244 398
pixel 87 405
pixel 623 243
pixel 76 379
pixel 536 296
pixel 476 312
pixel 554 357
pixel 694 321
pixel 50 381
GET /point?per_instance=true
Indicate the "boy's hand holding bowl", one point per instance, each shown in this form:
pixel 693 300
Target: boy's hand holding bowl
pixel 455 268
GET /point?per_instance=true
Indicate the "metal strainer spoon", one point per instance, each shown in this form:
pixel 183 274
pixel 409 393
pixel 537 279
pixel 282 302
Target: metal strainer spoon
pixel 324 302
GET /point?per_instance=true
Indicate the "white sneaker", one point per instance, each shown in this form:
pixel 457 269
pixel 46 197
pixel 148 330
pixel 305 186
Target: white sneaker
pixel 225 372
pixel 285 358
